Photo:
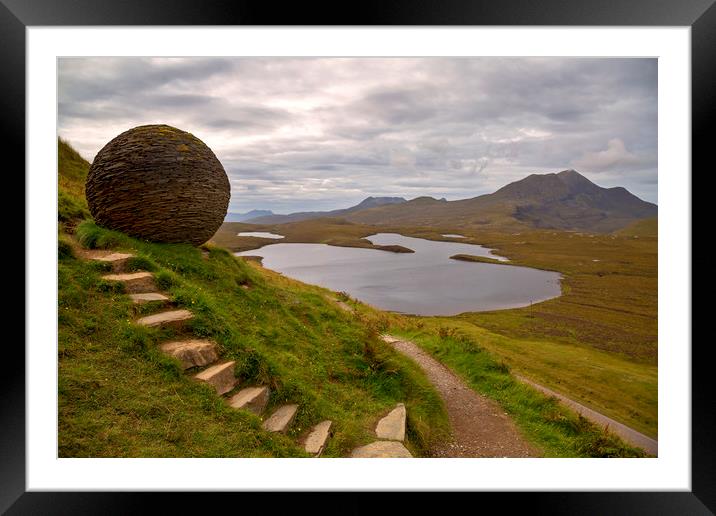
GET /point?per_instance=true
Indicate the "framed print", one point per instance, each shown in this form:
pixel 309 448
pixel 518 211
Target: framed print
pixel 278 244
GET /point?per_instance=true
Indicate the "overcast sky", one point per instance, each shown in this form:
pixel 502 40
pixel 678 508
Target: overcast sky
pixel 319 134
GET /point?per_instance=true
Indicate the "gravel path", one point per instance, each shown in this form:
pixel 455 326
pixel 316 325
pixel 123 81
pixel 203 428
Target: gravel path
pixel 480 427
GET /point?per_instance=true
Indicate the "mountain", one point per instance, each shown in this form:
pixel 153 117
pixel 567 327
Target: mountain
pixel 240 217
pixel 565 200
pixel 365 204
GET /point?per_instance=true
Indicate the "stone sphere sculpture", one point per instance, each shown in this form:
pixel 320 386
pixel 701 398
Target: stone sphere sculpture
pixel 158 183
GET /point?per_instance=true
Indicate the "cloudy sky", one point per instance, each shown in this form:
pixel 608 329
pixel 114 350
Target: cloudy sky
pixel 318 134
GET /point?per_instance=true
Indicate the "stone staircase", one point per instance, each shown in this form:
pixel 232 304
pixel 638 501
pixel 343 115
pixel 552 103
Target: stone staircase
pixel 254 399
pixel 219 376
pixel 280 419
pixel 391 431
pixel 134 282
pixel 316 439
pixel 148 297
pixel 169 319
pixel 202 354
pixel 191 352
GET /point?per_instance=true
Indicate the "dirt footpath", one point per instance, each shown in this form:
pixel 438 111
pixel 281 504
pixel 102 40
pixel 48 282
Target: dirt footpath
pixel 479 426
pixel 649 445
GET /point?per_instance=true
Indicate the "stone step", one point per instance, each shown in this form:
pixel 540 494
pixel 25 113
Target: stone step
pixel 220 376
pixel 191 353
pixel 316 440
pixel 118 260
pixel 382 449
pixel 392 426
pixel 279 420
pixel 148 297
pixel 135 282
pixel 171 318
pixel 251 398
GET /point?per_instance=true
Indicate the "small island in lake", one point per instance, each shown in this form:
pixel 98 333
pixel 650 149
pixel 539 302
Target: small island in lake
pixel 393 248
pixel 473 258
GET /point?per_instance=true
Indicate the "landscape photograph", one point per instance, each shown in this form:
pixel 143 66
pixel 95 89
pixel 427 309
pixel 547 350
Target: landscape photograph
pixel 371 257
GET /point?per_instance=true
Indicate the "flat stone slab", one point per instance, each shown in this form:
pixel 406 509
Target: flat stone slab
pixel 135 282
pixel 220 376
pixel 148 297
pixel 382 449
pixel 279 420
pixel 191 353
pixel 316 440
pixel 128 276
pixel 392 426
pixel 170 318
pixel 117 260
pixel 112 257
pixel 251 398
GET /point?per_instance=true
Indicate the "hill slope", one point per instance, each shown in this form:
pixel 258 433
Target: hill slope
pixel 119 396
pixel 566 200
pixel 72 172
pixel 365 204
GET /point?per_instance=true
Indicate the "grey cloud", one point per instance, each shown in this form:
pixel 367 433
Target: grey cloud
pixel 304 134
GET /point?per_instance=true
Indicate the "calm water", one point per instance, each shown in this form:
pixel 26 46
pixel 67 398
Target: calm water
pixel 260 234
pixel 426 282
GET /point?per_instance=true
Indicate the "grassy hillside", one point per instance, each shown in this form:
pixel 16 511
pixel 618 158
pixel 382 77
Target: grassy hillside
pixel 72 171
pixel 118 396
pixel 114 383
pixel 648 228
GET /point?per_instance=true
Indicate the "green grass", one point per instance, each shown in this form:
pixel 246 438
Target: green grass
pixel 557 430
pixel 648 228
pixel 72 172
pixel 120 397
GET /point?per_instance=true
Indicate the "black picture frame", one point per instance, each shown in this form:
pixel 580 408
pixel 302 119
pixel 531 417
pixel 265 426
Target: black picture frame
pixel 700 15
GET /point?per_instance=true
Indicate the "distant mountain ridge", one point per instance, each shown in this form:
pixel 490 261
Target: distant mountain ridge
pixel 565 200
pixel 241 217
pixel 367 203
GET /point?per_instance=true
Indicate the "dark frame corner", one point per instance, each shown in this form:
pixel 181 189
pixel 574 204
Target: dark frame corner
pixel 700 15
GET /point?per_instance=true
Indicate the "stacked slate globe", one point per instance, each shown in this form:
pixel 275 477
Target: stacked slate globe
pixel 158 183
